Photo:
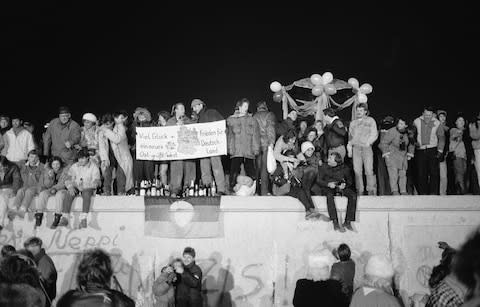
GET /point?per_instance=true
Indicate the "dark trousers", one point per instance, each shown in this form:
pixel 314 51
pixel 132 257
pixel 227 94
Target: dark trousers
pixel 86 196
pixel 308 179
pixel 383 180
pixel 235 167
pixel 332 209
pixel 428 171
pixel 121 180
pixel 263 185
pixel 143 170
pixel 302 196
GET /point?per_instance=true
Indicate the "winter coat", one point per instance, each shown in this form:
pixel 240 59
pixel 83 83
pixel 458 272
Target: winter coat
pixel 48 273
pixel 118 299
pixel 309 293
pixel 336 174
pixel 475 135
pixel 18 146
pixel 133 131
pixel 11 178
pixel 56 136
pixel 390 143
pixel 457 144
pixel 52 180
pixel 344 272
pixel 266 123
pixel 32 175
pixel 335 134
pixel 209 115
pixel 21 294
pixel 363 132
pixel 189 287
pixel 284 126
pixel 173 121
pixel 243 136
pixel 83 177
pixel 429 135
pixel 121 151
pixel 164 291
pixel 280 147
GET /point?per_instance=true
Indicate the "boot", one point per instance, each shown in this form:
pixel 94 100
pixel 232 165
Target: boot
pixel 38 219
pixel 11 214
pixel 56 220
pixel 83 224
pixel 337 226
pixel 63 222
pixel 348 225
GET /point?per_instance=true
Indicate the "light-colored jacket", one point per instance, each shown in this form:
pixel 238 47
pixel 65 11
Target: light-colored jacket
pixel 456 143
pixel 363 132
pixel 390 147
pixel 18 146
pixel 428 134
pixel 83 177
pixel 89 137
pixel 281 146
pixel 121 151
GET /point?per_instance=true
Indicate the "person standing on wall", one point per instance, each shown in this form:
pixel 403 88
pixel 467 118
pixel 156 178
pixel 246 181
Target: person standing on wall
pixel 474 129
pixel 243 139
pixel 142 169
pixel 10 183
pixel 362 134
pixel 208 164
pixel 61 136
pixel 442 118
pixel 266 123
pixel 18 142
pixel 430 146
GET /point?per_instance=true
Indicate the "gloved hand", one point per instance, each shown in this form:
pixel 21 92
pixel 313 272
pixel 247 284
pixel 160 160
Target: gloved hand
pixel 440 156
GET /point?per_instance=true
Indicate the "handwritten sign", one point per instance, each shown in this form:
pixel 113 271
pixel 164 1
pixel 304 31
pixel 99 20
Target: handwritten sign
pixel 182 142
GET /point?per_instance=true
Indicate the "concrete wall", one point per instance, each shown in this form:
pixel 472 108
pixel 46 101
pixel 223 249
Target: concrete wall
pixel 265 242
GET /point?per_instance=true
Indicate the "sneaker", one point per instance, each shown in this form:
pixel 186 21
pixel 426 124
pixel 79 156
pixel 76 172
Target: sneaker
pixel 348 225
pixel 83 224
pixel 404 194
pixel 11 214
pixel 38 219
pixel 56 220
pixel 372 193
pixel 395 193
pixel 337 226
pixel 63 222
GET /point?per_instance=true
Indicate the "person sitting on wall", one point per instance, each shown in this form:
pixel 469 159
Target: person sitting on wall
pixel 318 289
pixel 10 183
pixel 335 177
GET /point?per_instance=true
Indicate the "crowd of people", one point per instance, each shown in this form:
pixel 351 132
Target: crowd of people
pixel 326 157
pixel 28 277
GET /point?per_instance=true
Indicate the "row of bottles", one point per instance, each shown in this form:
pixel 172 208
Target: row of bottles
pixel 156 188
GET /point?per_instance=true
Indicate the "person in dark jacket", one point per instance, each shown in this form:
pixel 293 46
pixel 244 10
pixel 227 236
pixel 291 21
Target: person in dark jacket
pixel 344 270
pixel 383 181
pixel 45 265
pixel 94 275
pixel 10 183
pixel 335 177
pixel 287 124
pixel 335 133
pixel 266 123
pixel 317 289
pixel 189 281
pixel 208 164
pixel 142 169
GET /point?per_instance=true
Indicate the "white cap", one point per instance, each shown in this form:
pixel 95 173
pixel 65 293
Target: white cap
pixel 379 266
pixel 306 146
pixel 90 117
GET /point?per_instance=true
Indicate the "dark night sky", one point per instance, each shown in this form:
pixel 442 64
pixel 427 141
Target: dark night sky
pixel 102 59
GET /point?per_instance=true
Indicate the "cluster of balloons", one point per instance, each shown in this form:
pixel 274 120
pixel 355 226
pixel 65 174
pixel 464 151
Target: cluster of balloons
pixel 322 84
pixel 361 91
pixel 276 88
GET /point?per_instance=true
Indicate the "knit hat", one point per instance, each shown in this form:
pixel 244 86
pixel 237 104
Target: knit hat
pixel 63 110
pixel 142 111
pixel 90 117
pixel 379 266
pixel 321 259
pixel 306 146
pixel 196 101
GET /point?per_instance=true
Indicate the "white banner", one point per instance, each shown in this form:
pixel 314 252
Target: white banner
pixel 181 142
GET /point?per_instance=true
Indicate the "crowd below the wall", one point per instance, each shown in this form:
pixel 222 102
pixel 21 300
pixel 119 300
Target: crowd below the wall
pixel 329 157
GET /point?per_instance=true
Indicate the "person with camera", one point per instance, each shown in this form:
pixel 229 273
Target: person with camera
pixel 164 286
pixel 335 178
pixel 189 280
pixel 397 151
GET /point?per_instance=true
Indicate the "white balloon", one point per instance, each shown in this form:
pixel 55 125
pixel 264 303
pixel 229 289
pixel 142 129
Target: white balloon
pixel 366 88
pixel 327 77
pixel 362 97
pixel 275 86
pixel 353 82
pixel 316 79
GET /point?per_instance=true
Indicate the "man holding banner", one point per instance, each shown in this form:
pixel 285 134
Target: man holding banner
pixel 205 115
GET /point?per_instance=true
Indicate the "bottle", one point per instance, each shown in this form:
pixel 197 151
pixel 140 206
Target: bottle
pixel 201 189
pixel 191 189
pixel 196 190
pixel 161 192
pixel 214 189
pixel 166 191
pixel 137 189
pixel 154 188
pixel 142 188
pixel 208 190
pixel 149 188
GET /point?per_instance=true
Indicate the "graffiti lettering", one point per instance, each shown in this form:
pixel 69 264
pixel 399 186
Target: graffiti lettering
pixel 255 278
pixel 62 240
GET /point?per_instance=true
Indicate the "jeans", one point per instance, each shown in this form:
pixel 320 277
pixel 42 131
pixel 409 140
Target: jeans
pixel 428 171
pixel 397 174
pixel 68 200
pixel 332 209
pixel 460 169
pixel 308 179
pixel 477 163
pixel 181 170
pixel 363 158
pixel 443 177
pixel 143 170
pixel 24 197
pixel 206 166
pixel 235 167
pixel 302 196
pixel 163 170
pixel 5 195
pixel 108 181
pixel 263 185
pixel 43 199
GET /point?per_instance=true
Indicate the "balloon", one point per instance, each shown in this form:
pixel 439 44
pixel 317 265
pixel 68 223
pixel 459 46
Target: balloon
pixel 353 82
pixel 327 77
pixel 277 97
pixel 275 86
pixel 316 79
pixel 317 90
pixel 330 89
pixel 366 88
pixel 362 97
